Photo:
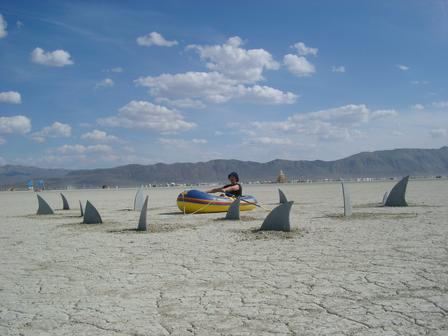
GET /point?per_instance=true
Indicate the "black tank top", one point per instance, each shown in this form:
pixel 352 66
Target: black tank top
pixel 236 193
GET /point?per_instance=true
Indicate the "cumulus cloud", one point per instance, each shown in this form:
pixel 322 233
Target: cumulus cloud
pixel 155 39
pixel 264 140
pixel 3 26
pixel 298 65
pixel 438 133
pixel 339 123
pixel 211 87
pixel 99 136
pixel 107 82
pixel 340 68
pixel 383 114
pixel 143 114
pixel 81 149
pixel 56 130
pixel 418 107
pixel 181 143
pixel 235 62
pixel 402 67
pixel 267 95
pixel 440 104
pixel 11 97
pixel 303 50
pixel 16 124
pixel 56 58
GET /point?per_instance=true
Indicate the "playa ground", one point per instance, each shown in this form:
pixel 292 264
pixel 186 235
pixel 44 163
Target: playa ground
pixel 384 271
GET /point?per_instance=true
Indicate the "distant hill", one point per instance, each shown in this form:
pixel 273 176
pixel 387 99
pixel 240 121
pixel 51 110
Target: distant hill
pixel 387 163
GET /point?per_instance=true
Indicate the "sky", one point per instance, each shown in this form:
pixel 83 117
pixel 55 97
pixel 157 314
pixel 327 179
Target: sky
pixel 87 84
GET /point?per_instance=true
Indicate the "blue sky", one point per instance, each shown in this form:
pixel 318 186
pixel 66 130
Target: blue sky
pixel 103 83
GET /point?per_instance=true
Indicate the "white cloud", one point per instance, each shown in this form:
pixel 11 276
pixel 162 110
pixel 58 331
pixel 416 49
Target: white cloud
pixel 418 107
pixel 340 68
pixel 298 65
pixel 181 143
pixel 107 82
pixel 267 95
pixel 16 124
pixel 440 104
pixel 117 69
pixel 339 123
pixel 98 136
pixel 56 130
pixel 81 149
pixel 3 26
pixel 438 133
pixel 19 24
pixel 155 39
pixel 10 97
pixel 243 65
pixel 402 67
pixel 303 50
pixel 211 87
pixel 264 140
pixel 383 114
pixel 143 114
pixel 2 142
pixel 57 58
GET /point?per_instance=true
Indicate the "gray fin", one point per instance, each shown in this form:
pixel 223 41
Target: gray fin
pixel 91 214
pixel 44 208
pixel 385 198
pixel 142 220
pixel 65 205
pixel 233 212
pixel 139 199
pixel 397 194
pixel 278 219
pixel 347 201
pixel 282 197
pixel 82 211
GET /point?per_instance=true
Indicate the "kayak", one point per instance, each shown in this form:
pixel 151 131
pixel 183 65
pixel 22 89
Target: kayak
pixel 196 201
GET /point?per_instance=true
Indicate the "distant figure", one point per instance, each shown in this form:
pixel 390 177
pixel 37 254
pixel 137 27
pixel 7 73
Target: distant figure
pixel 233 189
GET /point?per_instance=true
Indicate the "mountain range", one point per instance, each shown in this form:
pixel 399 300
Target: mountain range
pixel 385 163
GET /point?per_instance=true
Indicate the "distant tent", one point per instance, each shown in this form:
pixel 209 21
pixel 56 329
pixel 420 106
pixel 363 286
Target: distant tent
pixel 29 185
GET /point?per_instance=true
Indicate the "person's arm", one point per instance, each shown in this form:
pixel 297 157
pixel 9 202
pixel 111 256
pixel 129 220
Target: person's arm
pixel 231 188
pixel 215 190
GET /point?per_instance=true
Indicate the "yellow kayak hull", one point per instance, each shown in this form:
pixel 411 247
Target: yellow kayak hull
pixel 196 201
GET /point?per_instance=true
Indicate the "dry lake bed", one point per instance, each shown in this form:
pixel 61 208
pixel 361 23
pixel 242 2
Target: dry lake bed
pixel 384 271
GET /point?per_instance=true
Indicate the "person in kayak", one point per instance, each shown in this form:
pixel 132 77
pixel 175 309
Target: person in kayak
pixel 233 189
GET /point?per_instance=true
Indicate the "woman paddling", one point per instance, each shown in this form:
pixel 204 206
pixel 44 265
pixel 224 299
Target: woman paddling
pixel 233 189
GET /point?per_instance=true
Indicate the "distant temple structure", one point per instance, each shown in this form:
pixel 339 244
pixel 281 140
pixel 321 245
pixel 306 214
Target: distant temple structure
pixel 282 178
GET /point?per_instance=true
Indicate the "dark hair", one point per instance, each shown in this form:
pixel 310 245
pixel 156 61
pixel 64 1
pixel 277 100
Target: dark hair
pixel 235 175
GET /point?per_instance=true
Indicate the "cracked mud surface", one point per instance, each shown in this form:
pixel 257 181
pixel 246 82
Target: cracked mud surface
pixel 382 272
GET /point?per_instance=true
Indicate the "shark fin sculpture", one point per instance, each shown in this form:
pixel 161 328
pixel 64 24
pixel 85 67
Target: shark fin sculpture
pixel 80 207
pixel 139 199
pixel 278 219
pixel 91 215
pixel 233 213
pixel 347 201
pixel 65 205
pixel 44 208
pixel 397 194
pixel 385 198
pixel 142 220
pixel 282 197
